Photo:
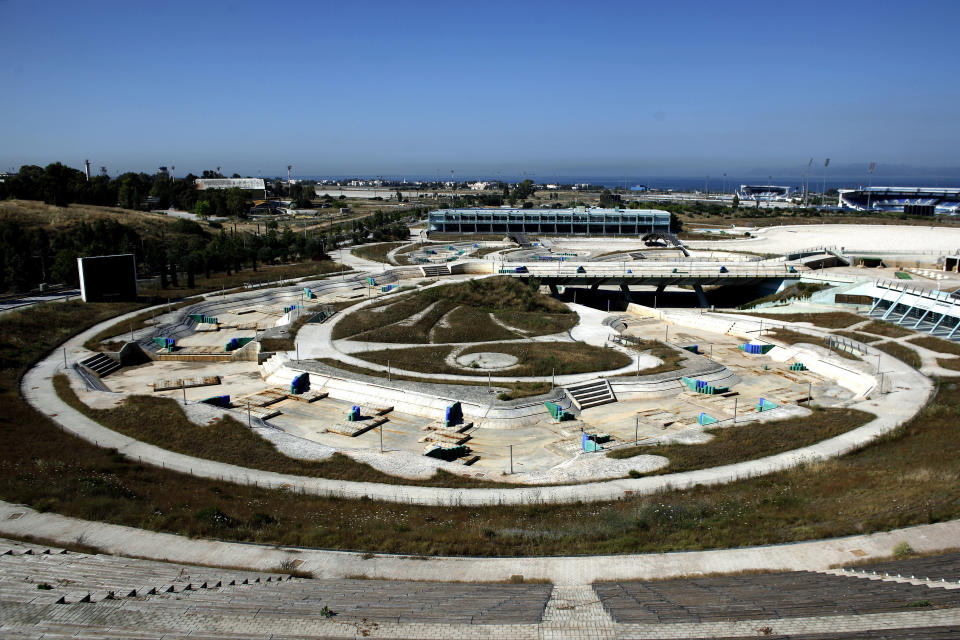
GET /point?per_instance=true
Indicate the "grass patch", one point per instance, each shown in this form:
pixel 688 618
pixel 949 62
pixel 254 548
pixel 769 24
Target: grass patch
pixel 799 290
pixel 828 320
pixel 376 252
pixel 902 353
pixel 534 323
pixel 513 302
pixel 795 337
pixel 936 344
pixel 534 358
pixel 751 440
pixel 161 422
pixel 886 329
pixel 859 337
pixel 470 324
pixel 949 363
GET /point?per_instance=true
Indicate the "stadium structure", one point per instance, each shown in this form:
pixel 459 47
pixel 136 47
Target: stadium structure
pixel 764 192
pixel 229 183
pixel 575 222
pixel 918 200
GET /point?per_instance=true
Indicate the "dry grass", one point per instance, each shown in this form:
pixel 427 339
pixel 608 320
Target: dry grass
pixel 752 440
pixel 671 359
pixel 470 324
pixel 514 303
pixel 902 353
pixel 534 358
pixel 376 252
pixel 886 329
pixel 859 337
pixel 828 320
pixel 936 344
pixel 949 363
pixel 870 490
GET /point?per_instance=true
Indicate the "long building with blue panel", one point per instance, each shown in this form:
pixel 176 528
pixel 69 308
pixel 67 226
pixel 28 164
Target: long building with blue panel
pixel 566 222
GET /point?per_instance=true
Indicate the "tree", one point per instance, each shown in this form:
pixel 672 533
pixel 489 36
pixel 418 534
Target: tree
pixel 736 202
pixel 202 209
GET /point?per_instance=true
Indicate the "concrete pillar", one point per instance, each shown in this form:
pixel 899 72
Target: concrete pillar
pixel 553 290
pixel 626 292
pixel 701 297
pixel 660 288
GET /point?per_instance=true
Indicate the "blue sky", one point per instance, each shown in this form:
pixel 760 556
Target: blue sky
pixel 412 87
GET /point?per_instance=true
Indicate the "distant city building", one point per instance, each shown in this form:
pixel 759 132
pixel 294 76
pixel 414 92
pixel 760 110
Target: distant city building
pixel 478 186
pixel 579 221
pixel 913 200
pixel 229 183
pixel 764 192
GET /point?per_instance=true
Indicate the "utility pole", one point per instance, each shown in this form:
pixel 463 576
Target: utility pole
pixel 636 431
pixel 735 400
pixel 511 459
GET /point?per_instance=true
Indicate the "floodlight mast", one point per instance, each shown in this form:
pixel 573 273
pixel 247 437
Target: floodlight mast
pixel 826 164
pixel 873 167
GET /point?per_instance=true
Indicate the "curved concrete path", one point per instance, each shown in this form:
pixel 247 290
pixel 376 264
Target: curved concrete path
pixel 910 391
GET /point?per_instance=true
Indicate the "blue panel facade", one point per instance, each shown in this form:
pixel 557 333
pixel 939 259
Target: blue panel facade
pixel 565 222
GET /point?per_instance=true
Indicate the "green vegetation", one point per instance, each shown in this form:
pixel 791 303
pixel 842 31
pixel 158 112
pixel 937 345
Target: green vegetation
pixel 799 290
pixel 469 305
pixel 913 474
pixel 828 320
pixel 936 344
pixel 902 353
pixel 885 329
pixel 751 440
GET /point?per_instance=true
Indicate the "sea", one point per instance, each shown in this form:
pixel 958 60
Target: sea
pixel 713 184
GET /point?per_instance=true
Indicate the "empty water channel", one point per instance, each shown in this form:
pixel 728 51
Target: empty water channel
pixel 506 440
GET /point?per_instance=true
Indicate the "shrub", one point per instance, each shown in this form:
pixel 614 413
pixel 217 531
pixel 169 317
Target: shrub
pixel 903 550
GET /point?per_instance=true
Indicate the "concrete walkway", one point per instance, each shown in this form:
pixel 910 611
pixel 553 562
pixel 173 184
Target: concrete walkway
pixel 817 555
pixel 909 392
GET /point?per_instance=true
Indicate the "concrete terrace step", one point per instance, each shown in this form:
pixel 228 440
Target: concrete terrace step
pixel 431 271
pixel 593 393
pixel 101 364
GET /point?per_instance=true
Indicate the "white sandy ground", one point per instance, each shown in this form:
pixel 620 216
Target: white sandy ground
pixel 852 236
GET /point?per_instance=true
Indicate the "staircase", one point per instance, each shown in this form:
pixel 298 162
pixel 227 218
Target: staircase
pixel 592 393
pixel 435 270
pixel 101 364
pixel 271 364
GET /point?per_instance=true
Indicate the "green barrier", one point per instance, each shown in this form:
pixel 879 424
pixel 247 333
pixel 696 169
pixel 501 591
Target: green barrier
pixel 798 366
pixel 704 419
pixel 557 412
pixel 765 405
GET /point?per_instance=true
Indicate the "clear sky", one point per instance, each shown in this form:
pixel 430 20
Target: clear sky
pixel 390 88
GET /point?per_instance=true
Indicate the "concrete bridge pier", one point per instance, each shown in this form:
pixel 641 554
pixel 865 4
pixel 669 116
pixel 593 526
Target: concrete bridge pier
pixel 701 296
pixel 553 290
pixel 626 293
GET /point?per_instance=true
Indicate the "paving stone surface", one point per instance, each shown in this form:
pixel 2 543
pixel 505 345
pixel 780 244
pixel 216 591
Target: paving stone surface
pixel 763 596
pixel 942 566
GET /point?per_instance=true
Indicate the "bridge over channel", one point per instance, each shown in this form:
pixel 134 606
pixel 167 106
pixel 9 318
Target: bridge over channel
pixel 626 275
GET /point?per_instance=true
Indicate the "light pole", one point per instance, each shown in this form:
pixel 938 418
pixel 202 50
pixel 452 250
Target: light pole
pixel 873 167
